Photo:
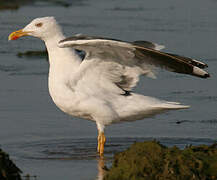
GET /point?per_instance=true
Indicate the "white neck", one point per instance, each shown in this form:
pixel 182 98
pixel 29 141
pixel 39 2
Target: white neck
pixel 62 60
pixel 60 55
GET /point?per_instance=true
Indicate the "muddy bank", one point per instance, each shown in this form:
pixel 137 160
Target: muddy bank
pixel 151 160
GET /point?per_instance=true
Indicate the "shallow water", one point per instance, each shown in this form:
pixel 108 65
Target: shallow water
pixel 45 142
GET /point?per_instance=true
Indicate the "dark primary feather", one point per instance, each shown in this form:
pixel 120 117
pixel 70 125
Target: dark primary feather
pixel 190 61
pixel 171 62
pixel 160 59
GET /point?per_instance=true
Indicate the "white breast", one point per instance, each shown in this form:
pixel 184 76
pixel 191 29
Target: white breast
pixel 63 63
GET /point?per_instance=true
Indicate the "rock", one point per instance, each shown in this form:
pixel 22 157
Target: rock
pixel 8 170
pixel 152 161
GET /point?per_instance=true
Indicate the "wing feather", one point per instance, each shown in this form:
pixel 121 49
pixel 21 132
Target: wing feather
pixel 121 63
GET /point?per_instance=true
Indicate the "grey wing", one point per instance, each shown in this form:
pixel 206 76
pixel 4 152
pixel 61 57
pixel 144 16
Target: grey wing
pixel 125 61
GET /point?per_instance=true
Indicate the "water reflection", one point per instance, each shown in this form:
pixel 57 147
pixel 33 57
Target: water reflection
pixel 101 168
pixel 29 177
pixel 85 148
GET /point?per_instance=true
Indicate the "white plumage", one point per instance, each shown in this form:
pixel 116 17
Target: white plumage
pixel 99 86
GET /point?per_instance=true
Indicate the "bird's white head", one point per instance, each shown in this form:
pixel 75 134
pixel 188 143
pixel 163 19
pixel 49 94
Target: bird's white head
pixel 43 28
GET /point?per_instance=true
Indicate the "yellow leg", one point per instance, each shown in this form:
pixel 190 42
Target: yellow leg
pixel 101 143
pixel 98 146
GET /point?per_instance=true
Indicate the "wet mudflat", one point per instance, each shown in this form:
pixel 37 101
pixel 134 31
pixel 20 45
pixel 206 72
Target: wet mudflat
pixel 51 145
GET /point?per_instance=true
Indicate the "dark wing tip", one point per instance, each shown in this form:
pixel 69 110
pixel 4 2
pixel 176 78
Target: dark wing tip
pixel 206 75
pixel 199 64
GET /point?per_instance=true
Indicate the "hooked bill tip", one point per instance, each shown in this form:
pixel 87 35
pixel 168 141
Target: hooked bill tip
pixel 17 34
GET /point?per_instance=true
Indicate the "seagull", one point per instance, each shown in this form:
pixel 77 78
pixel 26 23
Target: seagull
pixel 98 85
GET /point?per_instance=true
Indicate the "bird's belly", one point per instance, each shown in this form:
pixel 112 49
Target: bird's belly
pixel 71 108
pixel 68 102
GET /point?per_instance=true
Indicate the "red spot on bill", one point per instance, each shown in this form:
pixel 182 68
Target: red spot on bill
pixel 15 37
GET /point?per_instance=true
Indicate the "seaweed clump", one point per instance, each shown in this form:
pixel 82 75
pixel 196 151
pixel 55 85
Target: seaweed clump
pixel 8 170
pixel 16 4
pixel 38 54
pixel 153 161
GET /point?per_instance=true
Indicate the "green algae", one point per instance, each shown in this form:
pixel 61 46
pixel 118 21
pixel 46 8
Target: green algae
pixel 8 170
pixel 33 54
pixel 153 161
pixel 16 4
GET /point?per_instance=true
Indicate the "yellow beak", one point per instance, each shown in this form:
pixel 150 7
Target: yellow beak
pixel 17 34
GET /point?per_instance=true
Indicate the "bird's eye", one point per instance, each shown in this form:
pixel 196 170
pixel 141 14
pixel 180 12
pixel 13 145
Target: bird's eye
pixel 38 24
